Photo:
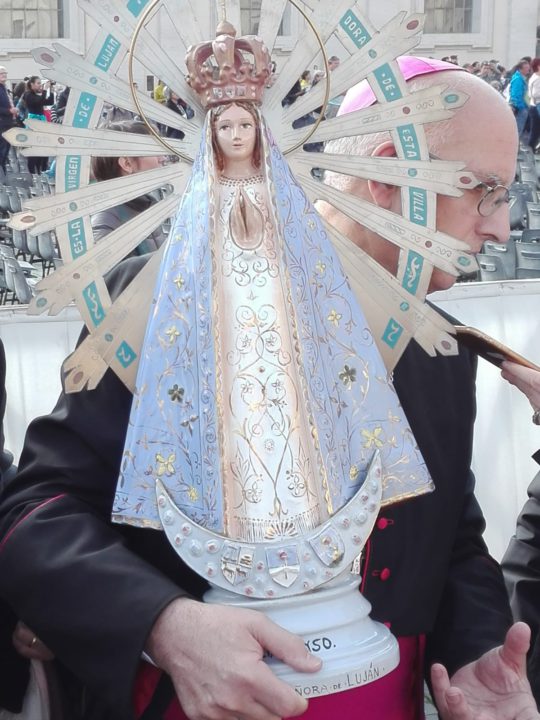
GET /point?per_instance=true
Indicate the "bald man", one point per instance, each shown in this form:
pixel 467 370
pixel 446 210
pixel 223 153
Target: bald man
pixel 112 591
pixel 491 156
pixel 438 397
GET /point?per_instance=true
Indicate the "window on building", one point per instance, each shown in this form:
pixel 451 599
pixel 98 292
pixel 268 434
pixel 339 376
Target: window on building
pixel 31 19
pixel 250 15
pixel 451 16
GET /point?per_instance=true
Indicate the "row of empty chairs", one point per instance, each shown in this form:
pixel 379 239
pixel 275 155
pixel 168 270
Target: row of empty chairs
pixel 17 277
pixel 24 258
pixel 519 258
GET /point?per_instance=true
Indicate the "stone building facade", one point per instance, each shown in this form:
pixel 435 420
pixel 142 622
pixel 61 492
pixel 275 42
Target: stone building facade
pixel 470 29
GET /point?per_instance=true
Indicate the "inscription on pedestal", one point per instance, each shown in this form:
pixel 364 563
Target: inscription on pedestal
pixel 319 644
pixel 342 682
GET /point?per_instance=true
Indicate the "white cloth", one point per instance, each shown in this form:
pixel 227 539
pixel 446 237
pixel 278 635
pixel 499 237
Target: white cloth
pixel 534 89
pixel 36 700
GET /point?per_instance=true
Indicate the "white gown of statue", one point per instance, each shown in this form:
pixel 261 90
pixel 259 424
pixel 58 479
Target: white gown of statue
pixel 261 395
pixel 269 447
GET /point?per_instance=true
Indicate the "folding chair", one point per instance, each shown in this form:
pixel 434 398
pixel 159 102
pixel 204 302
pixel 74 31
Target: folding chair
pixel 527 173
pixel 533 216
pixel 47 250
pixel 530 235
pixel 507 255
pixel 527 260
pixel 16 281
pixel 491 268
pixel 20 243
pixel 529 193
pixel 4 290
pixel 518 211
pixel 4 200
pixel 525 154
pixel 14 200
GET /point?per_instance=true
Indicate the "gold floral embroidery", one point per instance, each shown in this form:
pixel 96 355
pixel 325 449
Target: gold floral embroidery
pixel 373 438
pixel 179 282
pixel 334 317
pixel 165 466
pixel 172 333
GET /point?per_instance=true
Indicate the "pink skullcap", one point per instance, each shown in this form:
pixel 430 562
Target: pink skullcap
pixel 362 96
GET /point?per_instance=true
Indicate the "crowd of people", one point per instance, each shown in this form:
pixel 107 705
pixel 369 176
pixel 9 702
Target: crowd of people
pixel 520 86
pixel 101 597
pixel 29 99
pixel 33 99
pixel 309 79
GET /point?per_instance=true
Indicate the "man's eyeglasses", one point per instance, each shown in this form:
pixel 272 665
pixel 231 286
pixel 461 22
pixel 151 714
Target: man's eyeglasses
pixel 494 196
pixel 492 199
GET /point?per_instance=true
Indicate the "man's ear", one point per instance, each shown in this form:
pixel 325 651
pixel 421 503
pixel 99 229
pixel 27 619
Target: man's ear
pixel 126 165
pixel 384 195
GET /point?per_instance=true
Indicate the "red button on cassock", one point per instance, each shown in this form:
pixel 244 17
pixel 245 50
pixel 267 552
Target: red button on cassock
pixel 382 523
pixel 385 574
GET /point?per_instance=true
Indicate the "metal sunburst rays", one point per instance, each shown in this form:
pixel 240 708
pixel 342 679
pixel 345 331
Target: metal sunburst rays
pixel 393 306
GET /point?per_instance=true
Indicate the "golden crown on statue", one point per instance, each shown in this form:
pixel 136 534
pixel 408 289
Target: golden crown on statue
pixel 221 71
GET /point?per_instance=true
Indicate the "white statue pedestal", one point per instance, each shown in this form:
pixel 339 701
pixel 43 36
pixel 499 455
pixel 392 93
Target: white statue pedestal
pixel 335 625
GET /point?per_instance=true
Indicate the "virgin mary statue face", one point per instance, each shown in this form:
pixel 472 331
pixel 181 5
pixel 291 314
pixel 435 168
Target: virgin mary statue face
pixel 236 135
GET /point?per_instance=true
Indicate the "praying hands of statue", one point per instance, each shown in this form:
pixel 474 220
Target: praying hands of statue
pixel 494 687
pixel 214 656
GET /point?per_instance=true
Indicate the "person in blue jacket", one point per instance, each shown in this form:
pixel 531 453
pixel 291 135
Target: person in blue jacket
pixel 518 94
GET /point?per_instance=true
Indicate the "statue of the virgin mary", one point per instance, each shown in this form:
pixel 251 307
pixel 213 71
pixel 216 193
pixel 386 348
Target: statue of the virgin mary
pixel 261 396
pixel 265 432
